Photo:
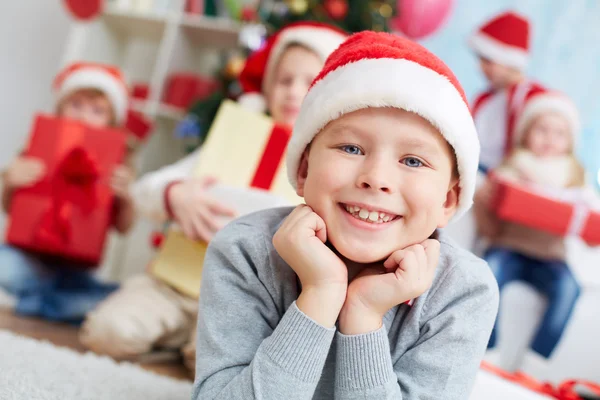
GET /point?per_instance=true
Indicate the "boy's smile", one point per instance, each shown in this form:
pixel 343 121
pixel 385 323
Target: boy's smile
pixel 382 179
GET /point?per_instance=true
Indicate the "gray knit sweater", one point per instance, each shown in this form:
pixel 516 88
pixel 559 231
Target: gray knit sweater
pixel 254 343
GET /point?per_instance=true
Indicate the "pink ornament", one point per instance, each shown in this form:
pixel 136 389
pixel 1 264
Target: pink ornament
pixel 419 18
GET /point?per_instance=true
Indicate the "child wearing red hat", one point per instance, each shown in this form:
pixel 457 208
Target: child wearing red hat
pixel 355 294
pixel 545 135
pixel 95 94
pixel 147 313
pixel 502 45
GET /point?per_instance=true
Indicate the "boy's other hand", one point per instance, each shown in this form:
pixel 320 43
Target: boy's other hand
pixel 404 276
pixel 23 172
pixel 300 241
pixel 195 210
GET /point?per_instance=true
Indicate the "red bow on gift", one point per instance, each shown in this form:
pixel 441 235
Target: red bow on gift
pixel 73 186
pixel 564 391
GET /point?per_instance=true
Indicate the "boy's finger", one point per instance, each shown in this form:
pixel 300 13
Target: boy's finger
pixel 394 259
pixel 432 252
pixel 317 225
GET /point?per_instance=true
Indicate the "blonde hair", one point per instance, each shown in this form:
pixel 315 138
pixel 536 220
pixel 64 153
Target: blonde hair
pixel 90 93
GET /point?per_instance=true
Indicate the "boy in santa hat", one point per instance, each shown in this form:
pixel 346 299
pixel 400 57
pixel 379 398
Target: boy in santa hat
pixel 502 45
pixel 147 313
pixel 356 295
pixel 543 159
pixel 97 95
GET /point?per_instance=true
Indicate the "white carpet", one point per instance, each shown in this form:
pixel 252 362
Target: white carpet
pixel 32 370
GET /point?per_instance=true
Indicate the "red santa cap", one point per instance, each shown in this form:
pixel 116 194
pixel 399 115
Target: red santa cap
pixel 504 40
pixel 258 70
pixel 381 70
pixel 546 101
pixel 86 75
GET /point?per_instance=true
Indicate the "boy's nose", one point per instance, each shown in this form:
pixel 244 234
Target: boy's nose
pixel 374 178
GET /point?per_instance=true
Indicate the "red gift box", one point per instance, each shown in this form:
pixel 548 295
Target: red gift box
pixel 68 212
pixel 140 91
pixel 138 125
pixel 183 89
pixel 517 204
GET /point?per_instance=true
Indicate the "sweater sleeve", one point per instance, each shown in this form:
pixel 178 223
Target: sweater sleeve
pixel 245 348
pixel 443 362
pixel 148 191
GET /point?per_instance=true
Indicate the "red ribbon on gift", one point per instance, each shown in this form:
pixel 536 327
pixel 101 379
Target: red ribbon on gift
pixel 271 157
pixel 564 391
pixel 73 186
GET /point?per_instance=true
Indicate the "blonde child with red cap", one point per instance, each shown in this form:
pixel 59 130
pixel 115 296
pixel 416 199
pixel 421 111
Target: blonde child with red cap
pixel 148 313
pixel 543 159
pixel 97 95
pixel 355 294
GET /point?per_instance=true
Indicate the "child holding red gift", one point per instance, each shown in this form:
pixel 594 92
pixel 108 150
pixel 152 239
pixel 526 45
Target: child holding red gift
pixel 48 286
pixel 355 295
pixel 147 312
pixel 543 158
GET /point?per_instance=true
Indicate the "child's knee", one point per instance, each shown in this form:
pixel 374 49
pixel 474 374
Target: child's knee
pixel 108 331
pixel 18 269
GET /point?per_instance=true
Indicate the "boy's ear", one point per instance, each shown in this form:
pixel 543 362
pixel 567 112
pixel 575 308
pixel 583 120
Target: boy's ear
pixel 450 204
pixel 302 173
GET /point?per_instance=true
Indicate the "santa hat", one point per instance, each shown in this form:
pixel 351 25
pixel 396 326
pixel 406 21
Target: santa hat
pixel 546 101
pixel 381 70
pixel 86 75
pixel 258 70
pixel 504 40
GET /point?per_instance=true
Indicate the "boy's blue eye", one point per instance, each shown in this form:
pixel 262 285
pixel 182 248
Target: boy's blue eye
pixel 412 162
pixel 351 149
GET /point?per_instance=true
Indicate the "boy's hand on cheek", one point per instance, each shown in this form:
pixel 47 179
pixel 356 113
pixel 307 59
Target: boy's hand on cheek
pixel 405 275
pixel 300 241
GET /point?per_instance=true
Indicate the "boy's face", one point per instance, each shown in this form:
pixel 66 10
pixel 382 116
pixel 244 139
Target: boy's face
pixel 549 136
pixel 292 77
pixel 381 179
pixel 88 106
pixel 499 76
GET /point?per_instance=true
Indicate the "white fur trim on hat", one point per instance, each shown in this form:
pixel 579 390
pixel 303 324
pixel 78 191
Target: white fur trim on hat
pixel 97 78
pixel 323 41
pixel 548 102
pixel 395 83
pixel 499 52
pixel 253 101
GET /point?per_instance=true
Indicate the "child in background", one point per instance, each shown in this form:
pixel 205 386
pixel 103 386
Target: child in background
pixel 148 313
pixel 47 286
pixel 355 295
pixel 545 135
pixel 502 45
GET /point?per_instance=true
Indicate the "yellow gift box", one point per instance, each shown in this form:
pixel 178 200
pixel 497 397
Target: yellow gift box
pixel 245 152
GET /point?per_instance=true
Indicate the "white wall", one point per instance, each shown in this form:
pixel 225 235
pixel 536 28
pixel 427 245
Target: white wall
pixel 32 38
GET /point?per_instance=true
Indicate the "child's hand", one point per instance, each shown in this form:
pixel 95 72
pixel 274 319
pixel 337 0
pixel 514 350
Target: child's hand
pixel 196 211
pixel 300 241
pixel 24 171
pixel 405 275
pixel 121 180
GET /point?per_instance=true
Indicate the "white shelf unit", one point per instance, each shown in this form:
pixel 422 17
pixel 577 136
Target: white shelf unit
pixel 149 46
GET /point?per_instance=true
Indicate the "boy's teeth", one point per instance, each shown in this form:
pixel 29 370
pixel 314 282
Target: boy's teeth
pixel 371 216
